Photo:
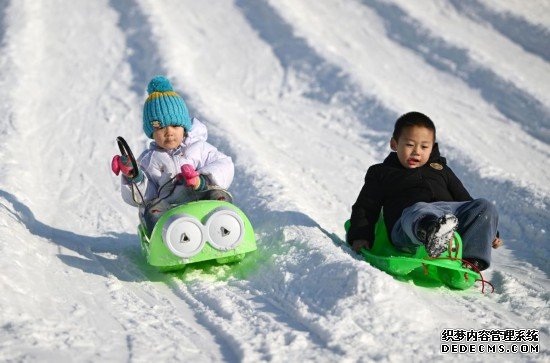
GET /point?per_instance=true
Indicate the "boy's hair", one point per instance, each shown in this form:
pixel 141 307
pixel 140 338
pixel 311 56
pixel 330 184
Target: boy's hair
pixel 412 119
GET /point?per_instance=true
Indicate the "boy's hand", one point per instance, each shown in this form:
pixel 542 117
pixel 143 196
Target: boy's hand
pixel 360 243
pixel 190 175
pixel 497 242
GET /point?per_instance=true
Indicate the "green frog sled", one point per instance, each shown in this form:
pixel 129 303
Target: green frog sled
pixel 195 232
pixel 192 232
pixel 448 269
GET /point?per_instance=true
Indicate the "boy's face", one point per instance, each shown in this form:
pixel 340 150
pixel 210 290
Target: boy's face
pixel 169 137
pixel 414 146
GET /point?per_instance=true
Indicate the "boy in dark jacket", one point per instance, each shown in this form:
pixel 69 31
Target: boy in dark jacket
pixel 424 202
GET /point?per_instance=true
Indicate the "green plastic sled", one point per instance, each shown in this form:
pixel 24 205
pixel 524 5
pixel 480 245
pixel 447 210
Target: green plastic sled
pixel 195 232
pixel 419 267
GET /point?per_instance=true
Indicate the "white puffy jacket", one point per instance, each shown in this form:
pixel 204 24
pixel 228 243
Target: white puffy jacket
pixel 160 165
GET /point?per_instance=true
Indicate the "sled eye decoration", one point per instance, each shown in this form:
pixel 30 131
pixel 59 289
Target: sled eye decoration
pixel 184 235
pixel 225 229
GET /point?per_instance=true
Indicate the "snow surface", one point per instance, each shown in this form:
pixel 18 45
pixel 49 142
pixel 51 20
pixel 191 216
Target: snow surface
pixel 303 95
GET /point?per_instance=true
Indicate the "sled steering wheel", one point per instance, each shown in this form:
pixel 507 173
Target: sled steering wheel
pixel 126 151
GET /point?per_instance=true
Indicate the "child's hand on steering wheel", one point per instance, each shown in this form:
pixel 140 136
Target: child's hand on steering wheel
pixel 122 164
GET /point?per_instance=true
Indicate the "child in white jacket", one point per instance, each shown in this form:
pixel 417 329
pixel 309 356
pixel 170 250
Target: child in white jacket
pixel 179 166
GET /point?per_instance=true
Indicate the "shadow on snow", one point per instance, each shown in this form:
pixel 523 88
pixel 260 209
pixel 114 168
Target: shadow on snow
pixel 533 38
pixel 512 102
pixel 90 249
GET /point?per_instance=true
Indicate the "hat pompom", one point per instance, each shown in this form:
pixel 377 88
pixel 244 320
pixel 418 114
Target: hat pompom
pixel 159 84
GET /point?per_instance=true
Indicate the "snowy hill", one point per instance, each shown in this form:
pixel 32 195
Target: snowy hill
pixel 303 95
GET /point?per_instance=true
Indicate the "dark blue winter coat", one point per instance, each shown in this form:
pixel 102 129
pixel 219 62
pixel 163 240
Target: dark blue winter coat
pixel 392 186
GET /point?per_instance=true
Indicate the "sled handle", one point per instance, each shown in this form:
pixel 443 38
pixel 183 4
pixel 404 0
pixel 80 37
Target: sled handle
pixel 126 151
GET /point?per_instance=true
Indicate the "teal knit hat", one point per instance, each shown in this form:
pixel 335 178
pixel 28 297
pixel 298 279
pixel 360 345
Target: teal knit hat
pixel 163 107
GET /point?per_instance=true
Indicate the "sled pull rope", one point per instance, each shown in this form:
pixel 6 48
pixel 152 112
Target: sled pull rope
pixel 483 281
pixel 457 247
pixel 425 269
pixel 469 264
pixel 473 267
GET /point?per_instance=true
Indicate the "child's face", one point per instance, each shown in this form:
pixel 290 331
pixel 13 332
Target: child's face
pixel 169 137
pixel 414 146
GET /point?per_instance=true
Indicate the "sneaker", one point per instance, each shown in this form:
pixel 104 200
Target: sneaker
pixel 436 233
pixel 480 265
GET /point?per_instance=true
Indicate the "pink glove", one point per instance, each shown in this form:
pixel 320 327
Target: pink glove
pixel 124 165
pixel 190 175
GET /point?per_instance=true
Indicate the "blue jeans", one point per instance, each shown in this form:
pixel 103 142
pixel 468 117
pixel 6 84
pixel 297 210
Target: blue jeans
pixel 477 225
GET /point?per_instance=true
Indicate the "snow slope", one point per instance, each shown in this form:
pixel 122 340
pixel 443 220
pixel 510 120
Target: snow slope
pixel 303 96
